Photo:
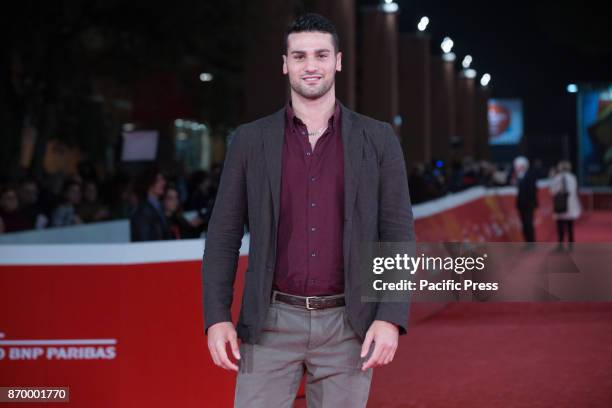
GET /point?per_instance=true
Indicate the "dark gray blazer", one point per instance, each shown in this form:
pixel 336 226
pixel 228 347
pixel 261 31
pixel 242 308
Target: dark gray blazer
pixel 376 208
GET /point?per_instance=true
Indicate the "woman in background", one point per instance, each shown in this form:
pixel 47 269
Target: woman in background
pixel 565 182
pixel 91 209
pixel 180 227
pixel 11 217
pixel 66 214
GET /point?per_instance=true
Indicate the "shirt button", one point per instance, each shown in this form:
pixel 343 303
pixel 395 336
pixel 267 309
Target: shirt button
pixel 313 204
pixel 313 254
pixel 313 229
pixel 307 153
pixel 313 178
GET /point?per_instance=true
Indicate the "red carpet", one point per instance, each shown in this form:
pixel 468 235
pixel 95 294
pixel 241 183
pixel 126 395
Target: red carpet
pixel 594 227
pixel 507 355
pixel 503 355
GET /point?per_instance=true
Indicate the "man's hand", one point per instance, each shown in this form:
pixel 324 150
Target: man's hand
pixel 384 335
pixel 218 335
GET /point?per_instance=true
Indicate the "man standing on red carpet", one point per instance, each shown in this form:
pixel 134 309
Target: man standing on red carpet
pixel 312 181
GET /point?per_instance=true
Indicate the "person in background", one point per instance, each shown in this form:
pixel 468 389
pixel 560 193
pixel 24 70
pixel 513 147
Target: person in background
pixel 148 223
pixel 11 218
pixel 65 214
pixel 91 209
pixel 485 173
pixel 203 191
pixel 527 197
pixel 565 182
pixel 470 173
pixel 455 180
pixel 203 195
pixel 180 227
pixel 417 183
pixel 30 205
pixel 123 198
pixel 500 176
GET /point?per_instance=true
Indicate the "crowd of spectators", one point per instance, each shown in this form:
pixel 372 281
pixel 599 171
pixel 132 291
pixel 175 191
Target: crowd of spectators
pixel 428 181
pixel 156 203
pixel 34 204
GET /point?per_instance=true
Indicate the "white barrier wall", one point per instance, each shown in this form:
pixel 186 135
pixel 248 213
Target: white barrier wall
pixel 119 231
pixel 100 232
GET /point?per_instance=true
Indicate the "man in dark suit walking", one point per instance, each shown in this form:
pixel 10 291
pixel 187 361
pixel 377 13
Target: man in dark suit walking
pixel 315 180
pixel 527 196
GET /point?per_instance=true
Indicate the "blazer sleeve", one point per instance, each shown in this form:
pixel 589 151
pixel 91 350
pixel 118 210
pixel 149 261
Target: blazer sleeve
pixel 395 220
pixel 224 237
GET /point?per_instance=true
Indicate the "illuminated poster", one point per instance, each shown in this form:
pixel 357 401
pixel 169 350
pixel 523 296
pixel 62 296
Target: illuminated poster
pixel 595 136
pixel 505 121
pixel 139 145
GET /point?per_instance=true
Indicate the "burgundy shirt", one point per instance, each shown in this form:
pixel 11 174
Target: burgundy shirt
pixel 309 258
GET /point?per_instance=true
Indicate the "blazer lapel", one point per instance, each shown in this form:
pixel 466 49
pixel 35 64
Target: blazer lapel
pixel 352 143
pixel 273 137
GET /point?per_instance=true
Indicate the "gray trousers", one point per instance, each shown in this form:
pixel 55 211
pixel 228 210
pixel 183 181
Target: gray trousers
pixel 319 343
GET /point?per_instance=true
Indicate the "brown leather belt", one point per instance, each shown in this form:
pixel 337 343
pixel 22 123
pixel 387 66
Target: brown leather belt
pixel 309 302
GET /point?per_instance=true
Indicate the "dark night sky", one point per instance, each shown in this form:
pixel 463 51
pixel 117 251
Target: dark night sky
pixel 531 49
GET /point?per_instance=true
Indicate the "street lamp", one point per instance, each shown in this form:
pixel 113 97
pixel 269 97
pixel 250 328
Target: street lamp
pixel 423 23
pixel 389 6
pixel 447 45
pixel 572 88
pixel 485 79
pixel 206 77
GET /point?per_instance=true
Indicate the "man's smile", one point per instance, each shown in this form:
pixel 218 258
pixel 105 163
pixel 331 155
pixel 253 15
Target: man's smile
pixel 311 78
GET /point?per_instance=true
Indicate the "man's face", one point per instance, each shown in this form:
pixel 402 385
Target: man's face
pixel 90 192
pixel 157 189
pixel 73 195
pixel 311 63
pixel 9 201
pixel 171 201
pixel 28 193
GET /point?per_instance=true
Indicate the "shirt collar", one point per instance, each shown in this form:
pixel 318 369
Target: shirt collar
pixel 293 120
pixel 155 202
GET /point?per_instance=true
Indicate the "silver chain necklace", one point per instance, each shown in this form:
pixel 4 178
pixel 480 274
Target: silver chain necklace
pixel 317 132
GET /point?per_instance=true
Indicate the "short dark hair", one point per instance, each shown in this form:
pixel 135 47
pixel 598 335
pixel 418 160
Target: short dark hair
pixel 146 180
pixel 312 22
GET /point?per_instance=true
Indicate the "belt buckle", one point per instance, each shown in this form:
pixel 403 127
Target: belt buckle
pixel 308 302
